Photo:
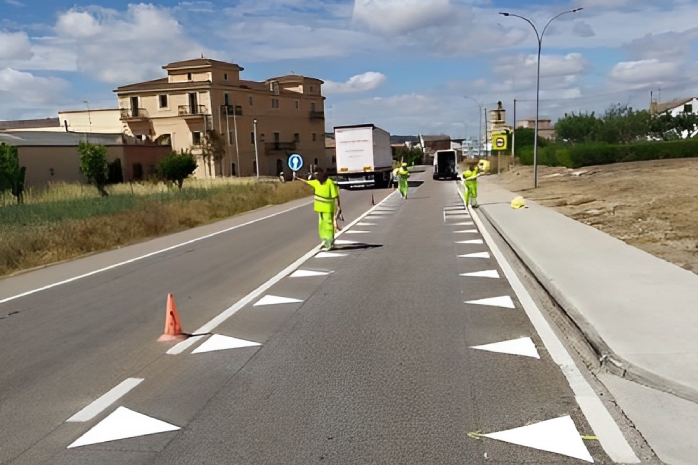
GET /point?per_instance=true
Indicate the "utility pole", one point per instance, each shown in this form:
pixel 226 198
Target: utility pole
pixel 513 136
pixel 256 153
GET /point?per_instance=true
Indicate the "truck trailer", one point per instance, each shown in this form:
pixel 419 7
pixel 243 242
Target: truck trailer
pixel 364 156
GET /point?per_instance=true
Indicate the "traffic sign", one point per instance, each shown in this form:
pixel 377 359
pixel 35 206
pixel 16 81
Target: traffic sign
pixel 499 142
pixel 295 162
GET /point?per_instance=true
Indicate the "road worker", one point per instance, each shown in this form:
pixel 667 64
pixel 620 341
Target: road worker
pixel 326 204
pixel 402 175
pixel 470 181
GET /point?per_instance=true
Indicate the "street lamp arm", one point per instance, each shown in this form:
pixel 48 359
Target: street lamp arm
pixel 535 29
pixel 557 16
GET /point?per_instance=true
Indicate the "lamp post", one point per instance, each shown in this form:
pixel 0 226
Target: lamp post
pixel 540 43
pixel 89 116
pixel 256 154
pixel 479 135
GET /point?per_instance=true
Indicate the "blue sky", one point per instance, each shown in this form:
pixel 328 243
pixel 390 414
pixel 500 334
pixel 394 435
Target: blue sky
pixel 404 65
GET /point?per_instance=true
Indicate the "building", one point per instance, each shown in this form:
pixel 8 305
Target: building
pixel 675 107
pixel 52 124
pixel 266 120
pixel 53 156
pixel 546 130
pixel 99 121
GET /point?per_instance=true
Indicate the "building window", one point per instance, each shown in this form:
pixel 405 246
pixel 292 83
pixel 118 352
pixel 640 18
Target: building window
pixel 162 99
pixel 252 137
pixel 225 76
pixel 251 100
pixel 315 160
pixel 688 108
pixel 238 110
pixel 314 137
pixel 275 103
pixel 226 99
pixel 231 137
pixel 297 105
pixel 296 137
pixel 312 106
pixel 233 169
pixel 261 137
pixel 196 138
pixel 312 89
pixel 188 76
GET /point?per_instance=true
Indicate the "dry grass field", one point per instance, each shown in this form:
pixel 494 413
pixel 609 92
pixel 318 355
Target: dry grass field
pixel 652 205
pixel 69 221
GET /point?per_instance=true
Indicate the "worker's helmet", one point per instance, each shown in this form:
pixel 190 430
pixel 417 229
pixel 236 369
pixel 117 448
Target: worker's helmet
pixel 404 164
pixel 518 202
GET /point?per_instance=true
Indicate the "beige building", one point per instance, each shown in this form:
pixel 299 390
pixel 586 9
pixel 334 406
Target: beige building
pixel 546 130
pixel 286 113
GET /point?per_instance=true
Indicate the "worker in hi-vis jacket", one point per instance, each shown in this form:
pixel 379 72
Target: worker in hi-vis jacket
pixel 326 204
pixel 470 181
pixel 402 175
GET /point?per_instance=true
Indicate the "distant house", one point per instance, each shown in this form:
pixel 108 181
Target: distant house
pixel 53 156
pixel 431 143
pixel 30 124
pixel 546 130
pixel 675 107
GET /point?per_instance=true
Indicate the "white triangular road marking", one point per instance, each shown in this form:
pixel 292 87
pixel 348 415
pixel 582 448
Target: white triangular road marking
pixel 308 274
pixel 474 241
pixel 366 224
pixel 464 223
pixel 476 255
pixel 523 346
pixel 503 301
pixel 351 231
pixel 344 242
pixel 218 342
pixel 465 231
pixel 276 300
pixel 559 436
pixel 482 274
pixel 122 424
pixel 330 255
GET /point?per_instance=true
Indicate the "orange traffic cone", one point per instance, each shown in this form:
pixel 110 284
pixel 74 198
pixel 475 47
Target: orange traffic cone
pixel 173 330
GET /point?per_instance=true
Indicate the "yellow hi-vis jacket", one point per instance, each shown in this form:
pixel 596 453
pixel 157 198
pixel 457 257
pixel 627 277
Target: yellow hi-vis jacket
pixel 325 195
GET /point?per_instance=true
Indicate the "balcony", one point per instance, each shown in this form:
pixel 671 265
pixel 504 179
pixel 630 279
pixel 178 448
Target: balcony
pixel 192 111
pixel 132 115
pixel 279 146
pixel 317 115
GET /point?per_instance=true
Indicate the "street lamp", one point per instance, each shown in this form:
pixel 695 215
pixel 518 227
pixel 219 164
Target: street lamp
pixel 479 134
pixel 540 43
pixel 256 153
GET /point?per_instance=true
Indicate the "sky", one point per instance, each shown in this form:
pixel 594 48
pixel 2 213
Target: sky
pixel 408 66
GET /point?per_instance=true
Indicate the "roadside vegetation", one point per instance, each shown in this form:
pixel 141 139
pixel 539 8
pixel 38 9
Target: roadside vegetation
pixel 621 134
pixel 67 221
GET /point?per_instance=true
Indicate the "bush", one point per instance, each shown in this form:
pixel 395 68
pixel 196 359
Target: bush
pixel 177 166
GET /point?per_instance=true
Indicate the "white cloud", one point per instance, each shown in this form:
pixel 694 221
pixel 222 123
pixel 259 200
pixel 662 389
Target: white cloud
pixel 123 47
pixel 358 83
pixel 26 90
pixel 645 72
pixel 397 17
pixel 15 3
pixel 14 46
pixel 664 47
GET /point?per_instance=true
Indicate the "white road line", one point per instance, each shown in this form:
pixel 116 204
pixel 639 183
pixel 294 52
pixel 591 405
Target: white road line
pixel 213 324
pixel 111 267
pixel 605 428
pixel 96 407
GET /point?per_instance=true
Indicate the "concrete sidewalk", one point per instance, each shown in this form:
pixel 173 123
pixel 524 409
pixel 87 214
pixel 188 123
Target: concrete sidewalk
pixel 638 311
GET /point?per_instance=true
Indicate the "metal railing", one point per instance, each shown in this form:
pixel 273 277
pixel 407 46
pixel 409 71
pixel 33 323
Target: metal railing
pixel 317 115
pixel 133 113
pixel 270 146
pixel 191 110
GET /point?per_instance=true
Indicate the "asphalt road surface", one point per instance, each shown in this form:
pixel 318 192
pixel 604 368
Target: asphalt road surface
pixel 370 354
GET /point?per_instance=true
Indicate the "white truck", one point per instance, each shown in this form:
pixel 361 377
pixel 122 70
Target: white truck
pixel 364 156
pixel 445 164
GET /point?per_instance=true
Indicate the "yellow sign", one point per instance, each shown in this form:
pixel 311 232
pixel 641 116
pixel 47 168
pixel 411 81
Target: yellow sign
pixel 499 142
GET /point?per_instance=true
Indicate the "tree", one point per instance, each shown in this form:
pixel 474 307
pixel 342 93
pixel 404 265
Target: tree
pixel 669 127
pixel 212 148
pixel 577 128
pixel 11 174
pixel 525 138
pixel 622 125
pixel 93 164
pixel 177 166
pixel 410 156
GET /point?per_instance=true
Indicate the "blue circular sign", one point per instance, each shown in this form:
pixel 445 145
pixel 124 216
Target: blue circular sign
pixel 295 162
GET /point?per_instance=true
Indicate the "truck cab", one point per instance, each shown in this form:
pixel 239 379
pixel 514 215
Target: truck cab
pixel 445 165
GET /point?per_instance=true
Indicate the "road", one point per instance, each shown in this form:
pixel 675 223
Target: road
pixel 370 359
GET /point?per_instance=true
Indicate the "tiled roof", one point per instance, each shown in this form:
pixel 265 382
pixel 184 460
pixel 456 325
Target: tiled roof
pixel 30 123
pixel 49 138
pixel 200 63
pixel 662 107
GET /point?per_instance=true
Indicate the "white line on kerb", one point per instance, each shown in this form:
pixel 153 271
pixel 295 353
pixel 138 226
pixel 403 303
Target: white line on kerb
pixel 216 321
pixel 116 265
pixel 94 409
pixel 610 436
